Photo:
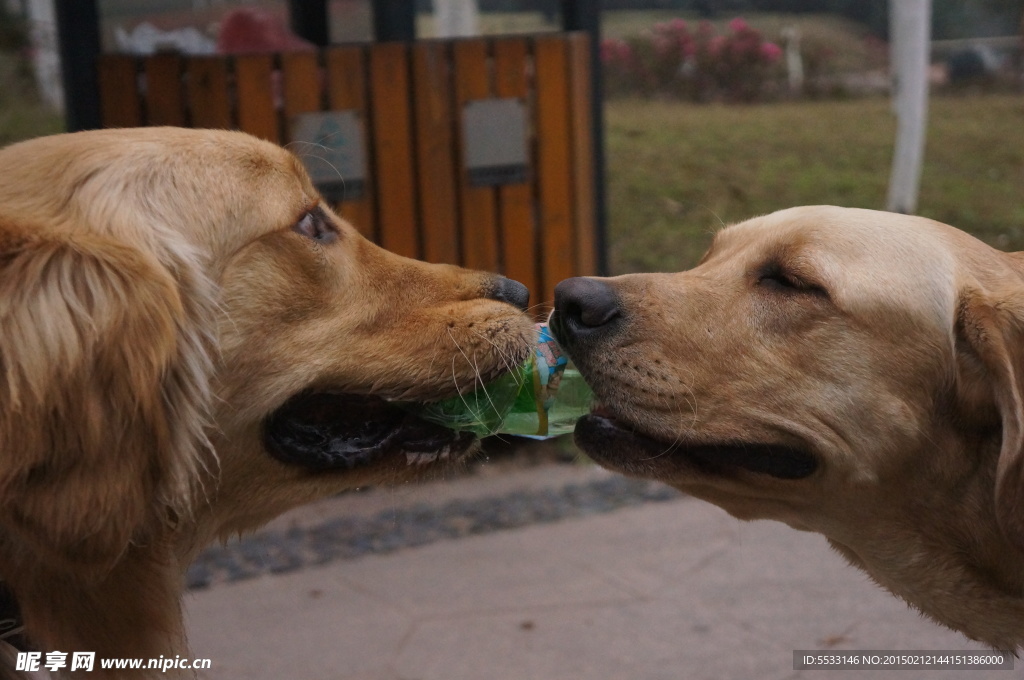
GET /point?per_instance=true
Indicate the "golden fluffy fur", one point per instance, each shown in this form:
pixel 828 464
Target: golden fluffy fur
pixel 163 293
pixel 850 372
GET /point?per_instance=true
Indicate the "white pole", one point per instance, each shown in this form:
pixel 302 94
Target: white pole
pixel 794 62
pixel 456 18
pixel 46 56
pixel 910 33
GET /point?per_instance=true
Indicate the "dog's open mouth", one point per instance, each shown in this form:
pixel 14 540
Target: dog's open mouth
pixel 617 446
pixel 329 431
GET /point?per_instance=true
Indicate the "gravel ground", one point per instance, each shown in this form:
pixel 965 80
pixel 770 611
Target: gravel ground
pixel 274 552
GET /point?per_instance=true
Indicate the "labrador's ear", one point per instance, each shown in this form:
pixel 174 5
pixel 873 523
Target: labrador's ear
pixel 992 326
pixel 102 384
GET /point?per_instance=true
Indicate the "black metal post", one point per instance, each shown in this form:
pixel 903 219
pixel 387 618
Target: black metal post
pixel 394 20
pixel 78 33
pixel 310 21
pixel 585 15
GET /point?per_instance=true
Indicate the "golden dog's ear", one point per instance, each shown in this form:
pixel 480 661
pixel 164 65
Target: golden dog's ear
pixel 993 327
pixel 102 380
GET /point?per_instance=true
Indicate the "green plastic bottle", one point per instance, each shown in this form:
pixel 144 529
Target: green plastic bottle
pixel 543 397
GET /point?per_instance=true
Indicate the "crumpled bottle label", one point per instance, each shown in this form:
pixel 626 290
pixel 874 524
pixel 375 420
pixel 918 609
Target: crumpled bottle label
pixel 541 398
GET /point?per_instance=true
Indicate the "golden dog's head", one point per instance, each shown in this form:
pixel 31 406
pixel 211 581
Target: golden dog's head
pixel 851 372
pixel 192 342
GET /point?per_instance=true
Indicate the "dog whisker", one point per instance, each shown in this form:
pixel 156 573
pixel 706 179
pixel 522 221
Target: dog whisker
pixel 323 147
pixel 504 356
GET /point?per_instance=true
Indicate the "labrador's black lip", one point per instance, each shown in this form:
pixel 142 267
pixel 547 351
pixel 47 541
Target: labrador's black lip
pixel 323 431
pixel 617 446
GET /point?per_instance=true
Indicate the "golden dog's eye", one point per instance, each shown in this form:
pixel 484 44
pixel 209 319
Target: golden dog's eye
pixel 315 225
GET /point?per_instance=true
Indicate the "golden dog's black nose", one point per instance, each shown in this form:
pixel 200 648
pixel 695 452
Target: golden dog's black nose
pixel 584 304
pixel 512 292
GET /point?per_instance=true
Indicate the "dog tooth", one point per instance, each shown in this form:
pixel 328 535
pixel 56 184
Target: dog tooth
pixel 420 458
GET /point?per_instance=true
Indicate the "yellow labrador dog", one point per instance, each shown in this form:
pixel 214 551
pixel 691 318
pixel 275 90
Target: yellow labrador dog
pixel 192 342
pixel 850 372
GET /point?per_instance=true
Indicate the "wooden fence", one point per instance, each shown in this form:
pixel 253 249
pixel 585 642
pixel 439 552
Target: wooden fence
pixel 418 199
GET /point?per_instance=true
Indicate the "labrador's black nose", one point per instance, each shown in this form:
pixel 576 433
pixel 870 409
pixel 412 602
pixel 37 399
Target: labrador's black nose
pixel 512 292
pixel 584 305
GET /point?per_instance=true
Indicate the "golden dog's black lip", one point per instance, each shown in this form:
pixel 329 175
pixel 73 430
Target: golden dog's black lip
pixel 323 431
pixel 616 446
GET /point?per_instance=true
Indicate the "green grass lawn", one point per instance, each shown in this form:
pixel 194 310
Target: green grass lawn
pixel 677 172
pixel 26 120
pixel 22 115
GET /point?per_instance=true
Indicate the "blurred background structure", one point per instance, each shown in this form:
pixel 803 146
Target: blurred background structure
pixel 716 109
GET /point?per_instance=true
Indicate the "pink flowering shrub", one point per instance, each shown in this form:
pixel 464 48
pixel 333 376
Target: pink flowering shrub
pixel 696 64
pixel 617 66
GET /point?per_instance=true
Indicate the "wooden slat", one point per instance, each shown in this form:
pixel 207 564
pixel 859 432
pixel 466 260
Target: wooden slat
pixel 346 78
pixel 515 201
pixel 346 90
pixel 208 97
pixel 164 104
pixel 119 91
pixel 554 164
pixel 393 150
pixel 435 149
pixel 303 92
pixel 583 155
pixel 254 84
pixel 302 83
pixel 479 227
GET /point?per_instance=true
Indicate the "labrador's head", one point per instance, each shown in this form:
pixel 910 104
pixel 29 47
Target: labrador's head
pixel 851 372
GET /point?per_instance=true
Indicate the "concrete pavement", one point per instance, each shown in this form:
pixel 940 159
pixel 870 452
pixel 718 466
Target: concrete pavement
pixel 669 590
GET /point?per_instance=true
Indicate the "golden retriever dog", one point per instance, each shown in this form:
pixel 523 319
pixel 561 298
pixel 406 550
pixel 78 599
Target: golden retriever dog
pixel 192 342
pixel 850 372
